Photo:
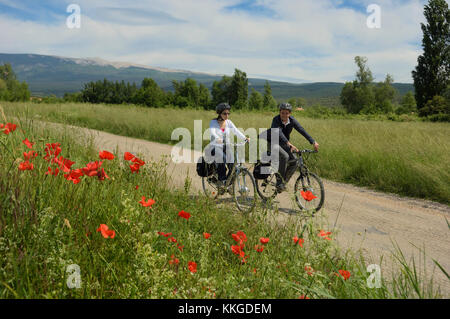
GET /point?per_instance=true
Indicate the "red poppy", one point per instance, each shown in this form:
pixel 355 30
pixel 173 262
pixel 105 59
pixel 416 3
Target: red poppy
pixel 259 248
pixel 344 273
pixel 52 149
pixel 308 195
pixel 324 234
pixel 138 161
pixel 309 270
pixel 26 166
pixel 135 168
pixel 237 250
pixel 102 175
pixel 30 155
pixel 164 234
pixel 128 156
pixel 172 239
pixel 180 247
pixel 137 186
pixel 92 168
pixel 303 297
pixel 239 237
pixel 264 240
pixel 54 172
pixel 74 175
pixel 64 163
pixel 184 214
pixel 300 241
pixel 107 233
pixel 192 265
pixel 28 143
pixel 147 203
pixel 8 128
pixel 173 260
pixel 206 235
pixel 106 155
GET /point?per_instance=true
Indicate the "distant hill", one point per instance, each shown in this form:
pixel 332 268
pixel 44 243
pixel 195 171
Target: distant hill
pixel 47 75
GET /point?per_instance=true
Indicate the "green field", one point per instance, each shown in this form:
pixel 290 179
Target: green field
pixel 48 223
pixel 406 158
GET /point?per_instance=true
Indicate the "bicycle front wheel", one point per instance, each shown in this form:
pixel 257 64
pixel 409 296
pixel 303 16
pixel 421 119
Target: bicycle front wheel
pixel 267 188
pixel 309 192
pixel 244 191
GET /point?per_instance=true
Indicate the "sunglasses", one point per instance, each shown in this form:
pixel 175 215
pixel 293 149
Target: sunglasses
pixel 226 113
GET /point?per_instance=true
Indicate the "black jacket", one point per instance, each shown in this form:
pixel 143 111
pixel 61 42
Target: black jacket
pixel 285 130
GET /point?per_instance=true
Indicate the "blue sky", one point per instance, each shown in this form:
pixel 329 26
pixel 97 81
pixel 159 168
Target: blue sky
pixel 292 40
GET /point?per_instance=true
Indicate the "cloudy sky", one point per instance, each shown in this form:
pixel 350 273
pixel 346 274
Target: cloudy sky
pixel 290 40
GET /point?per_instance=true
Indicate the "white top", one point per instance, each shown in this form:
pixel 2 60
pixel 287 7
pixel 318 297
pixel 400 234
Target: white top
pixel 217 135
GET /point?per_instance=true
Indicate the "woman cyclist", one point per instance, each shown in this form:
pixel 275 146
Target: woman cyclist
pixel 221 129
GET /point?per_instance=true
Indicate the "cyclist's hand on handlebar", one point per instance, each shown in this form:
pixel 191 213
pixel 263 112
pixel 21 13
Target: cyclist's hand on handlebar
pixel 316 146
pixel 293 148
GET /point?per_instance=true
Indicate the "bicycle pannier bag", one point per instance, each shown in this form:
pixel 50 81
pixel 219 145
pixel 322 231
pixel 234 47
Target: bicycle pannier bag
pixel 203 168
pixel 257 174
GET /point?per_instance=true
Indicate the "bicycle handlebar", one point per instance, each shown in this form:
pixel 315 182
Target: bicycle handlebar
pixel 305 151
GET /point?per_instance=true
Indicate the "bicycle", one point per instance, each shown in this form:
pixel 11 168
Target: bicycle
pixel 308 190
pixel 240 184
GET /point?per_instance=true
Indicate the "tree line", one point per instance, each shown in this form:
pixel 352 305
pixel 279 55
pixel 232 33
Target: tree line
pixel 10 88
pixel 187 93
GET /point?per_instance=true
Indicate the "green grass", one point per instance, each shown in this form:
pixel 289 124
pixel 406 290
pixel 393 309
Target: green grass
pixel 48 223
pixel 406 158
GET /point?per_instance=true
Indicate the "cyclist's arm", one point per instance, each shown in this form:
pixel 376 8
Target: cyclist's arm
pixel 302 131
pixel 236 131
pixel 214 131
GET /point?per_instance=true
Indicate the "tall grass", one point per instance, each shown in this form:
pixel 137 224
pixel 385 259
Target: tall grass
pixel 408 158
pixel 48 223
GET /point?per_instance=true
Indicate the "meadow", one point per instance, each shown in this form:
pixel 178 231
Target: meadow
pixel 407 158
pixel 131 236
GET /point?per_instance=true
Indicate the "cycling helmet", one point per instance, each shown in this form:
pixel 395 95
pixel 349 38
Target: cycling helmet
pixel 222 107
pixel 285 106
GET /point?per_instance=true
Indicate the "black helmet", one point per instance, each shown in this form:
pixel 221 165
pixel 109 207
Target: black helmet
pixel 285 106
pixel 222 107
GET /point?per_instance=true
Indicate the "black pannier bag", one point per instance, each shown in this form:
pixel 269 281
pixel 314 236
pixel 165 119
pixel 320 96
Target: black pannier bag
pixel 257 174
pixel 203 168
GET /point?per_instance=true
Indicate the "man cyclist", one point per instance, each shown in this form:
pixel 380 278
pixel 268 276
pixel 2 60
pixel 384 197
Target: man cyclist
pixel 285 123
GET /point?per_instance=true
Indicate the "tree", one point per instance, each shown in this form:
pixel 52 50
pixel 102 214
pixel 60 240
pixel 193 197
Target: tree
pixel 256 101
pixel 10 88
pixel 364 76
pixel 149 94
pixel 407 104
pixel 221 90
pixel 239 89
pixel 297 102
pixel 268 100
pixel 385 95
pixel 432 73
pixel 189 94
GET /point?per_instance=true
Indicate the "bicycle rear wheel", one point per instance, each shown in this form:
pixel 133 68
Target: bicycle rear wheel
pixel 210 187
pixel 267 188
pixel 309 192
pixel 244 191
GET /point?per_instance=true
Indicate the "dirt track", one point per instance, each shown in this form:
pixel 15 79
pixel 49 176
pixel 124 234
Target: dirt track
pixel 364 219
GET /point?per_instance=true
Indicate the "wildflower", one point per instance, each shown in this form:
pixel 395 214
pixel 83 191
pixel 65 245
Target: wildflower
pixel 28 143
pixel 344 273
pixel 8 128
pixel 52 149
pixel 184 214
pixel 264 240
pixel 137 186
pixel 102 175
pixel 30 155
pixel 173 260
pixel 303 297
pixel 55 171
pixel 128 156
pixel 74 175
pixel 259 248
pixel 106 155
pixel 171 239
pixel 147 203
pixel 64 163
pixel 324 234
pixel 192 265
pixel 26 166
pixel 180 247
pixel 239 237
pixel 308 195
pixel 309 270
pixel 92 168
pixel 164 234
pixel 300 241
pixel 206 235
pixel 107 233
pixel 237 250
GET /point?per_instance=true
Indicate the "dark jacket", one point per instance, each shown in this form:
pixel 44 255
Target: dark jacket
pixel 285 130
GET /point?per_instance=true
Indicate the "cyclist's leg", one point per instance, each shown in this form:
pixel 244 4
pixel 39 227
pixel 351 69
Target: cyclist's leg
pixel 283 158
pixel 291 165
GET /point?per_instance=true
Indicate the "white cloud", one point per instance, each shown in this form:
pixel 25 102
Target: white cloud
pixel 310 40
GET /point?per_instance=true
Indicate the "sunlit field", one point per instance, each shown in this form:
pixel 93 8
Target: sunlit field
pixel 77 222
pixel 407 158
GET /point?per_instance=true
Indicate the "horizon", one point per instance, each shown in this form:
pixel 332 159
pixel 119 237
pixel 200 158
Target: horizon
pixel 263 38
